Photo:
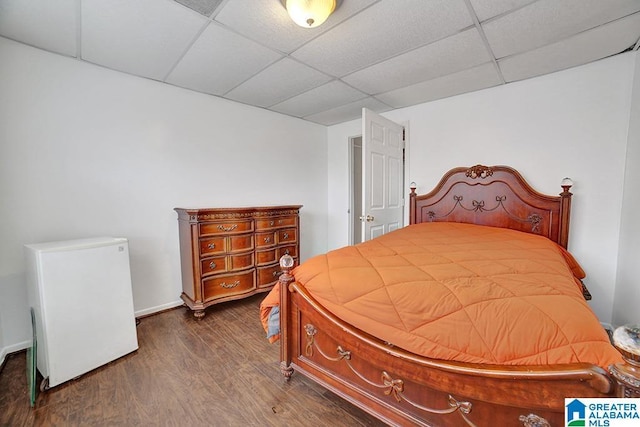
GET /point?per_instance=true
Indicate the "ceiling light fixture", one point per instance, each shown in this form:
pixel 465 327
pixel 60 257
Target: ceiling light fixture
pixel 309 13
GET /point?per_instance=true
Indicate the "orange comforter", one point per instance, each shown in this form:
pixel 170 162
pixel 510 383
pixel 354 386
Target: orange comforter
pixel 463 292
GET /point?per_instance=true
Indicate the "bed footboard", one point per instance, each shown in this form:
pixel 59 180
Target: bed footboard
pixel 401 388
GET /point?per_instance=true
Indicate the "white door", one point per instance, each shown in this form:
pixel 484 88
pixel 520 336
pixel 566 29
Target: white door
pixel 382 175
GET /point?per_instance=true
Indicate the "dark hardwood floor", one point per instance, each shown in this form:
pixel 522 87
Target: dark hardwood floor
pixel 218 371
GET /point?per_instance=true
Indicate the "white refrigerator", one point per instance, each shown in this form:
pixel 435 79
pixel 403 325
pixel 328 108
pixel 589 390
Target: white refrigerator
pixel 81 297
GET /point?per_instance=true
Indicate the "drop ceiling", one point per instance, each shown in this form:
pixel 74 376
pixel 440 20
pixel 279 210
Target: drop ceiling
pixel 379 54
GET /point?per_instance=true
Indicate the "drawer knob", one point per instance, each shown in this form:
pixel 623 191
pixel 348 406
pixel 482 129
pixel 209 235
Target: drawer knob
pixel 277 273
pixel 285 236
pixel 271 223
pixel 229 228
pixel 230 285
pixel 212 265
pixel 267 239
pixel 211 245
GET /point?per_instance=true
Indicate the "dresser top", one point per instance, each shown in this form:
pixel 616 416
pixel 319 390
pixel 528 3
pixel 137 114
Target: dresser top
pixel 208 214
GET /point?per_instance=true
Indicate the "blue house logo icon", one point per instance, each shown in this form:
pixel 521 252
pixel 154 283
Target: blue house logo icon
pixel 576 413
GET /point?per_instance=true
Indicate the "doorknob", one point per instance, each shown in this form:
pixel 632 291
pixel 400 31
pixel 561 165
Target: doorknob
pixel 367 218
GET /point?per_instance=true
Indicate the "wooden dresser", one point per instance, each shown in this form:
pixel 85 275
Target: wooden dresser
pixel 232 253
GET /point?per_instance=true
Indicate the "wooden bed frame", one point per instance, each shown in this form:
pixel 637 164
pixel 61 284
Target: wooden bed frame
pixel 402 388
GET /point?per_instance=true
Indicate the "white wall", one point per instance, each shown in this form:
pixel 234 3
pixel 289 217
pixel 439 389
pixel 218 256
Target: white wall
pixel 86 151
pixel 571 123
pixel 627 295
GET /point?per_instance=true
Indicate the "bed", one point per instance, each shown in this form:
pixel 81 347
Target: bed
pixel 407 357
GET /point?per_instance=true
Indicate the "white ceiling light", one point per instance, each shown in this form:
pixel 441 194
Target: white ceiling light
pixel 310 13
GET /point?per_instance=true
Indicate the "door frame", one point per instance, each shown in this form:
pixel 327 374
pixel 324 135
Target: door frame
pixel 353 192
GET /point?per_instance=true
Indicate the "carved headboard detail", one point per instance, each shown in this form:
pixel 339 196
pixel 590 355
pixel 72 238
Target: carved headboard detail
pixel 496 196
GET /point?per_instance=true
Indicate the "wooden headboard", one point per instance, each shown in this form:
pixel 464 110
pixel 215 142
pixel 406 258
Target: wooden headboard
pixel 497 196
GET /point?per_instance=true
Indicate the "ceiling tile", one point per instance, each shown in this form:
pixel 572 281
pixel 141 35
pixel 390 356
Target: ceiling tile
pixel 203 7
pixel 219 61
pixel 347 112
pixel 143 37
pixel 486 9
pixel 477 78
pixel 277 83
pixel 46 24
pixel 459 52
pixel 548 21
pixel 383 31
pixel 585 47
pixel 268 22
pixel 322 98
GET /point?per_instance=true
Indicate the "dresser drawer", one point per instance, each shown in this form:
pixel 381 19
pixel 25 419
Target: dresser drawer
pixel 240 243
pixel 213 265
pixel 212 246
pixel 266 257
pixel 287 235
pixel 269 223
pixel 268 276
pixel 222 264
pixel 212 228
pixel 228 285
pixel 264 240
pixel 287 250
pixel 238 262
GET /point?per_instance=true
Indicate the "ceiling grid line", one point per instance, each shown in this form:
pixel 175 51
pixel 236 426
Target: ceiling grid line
pixel 186 49
pixel 250 77
pixel 508 11
pixel 217 9
pixel 483 36
pixel 602 24
pixel 401 53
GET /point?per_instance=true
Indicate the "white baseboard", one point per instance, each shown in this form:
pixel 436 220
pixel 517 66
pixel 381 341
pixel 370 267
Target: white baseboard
pixel 12 349
pixel 4 351
pixel 152 310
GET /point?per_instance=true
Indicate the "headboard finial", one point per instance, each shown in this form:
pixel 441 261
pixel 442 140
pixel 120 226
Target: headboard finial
pixel 479 171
